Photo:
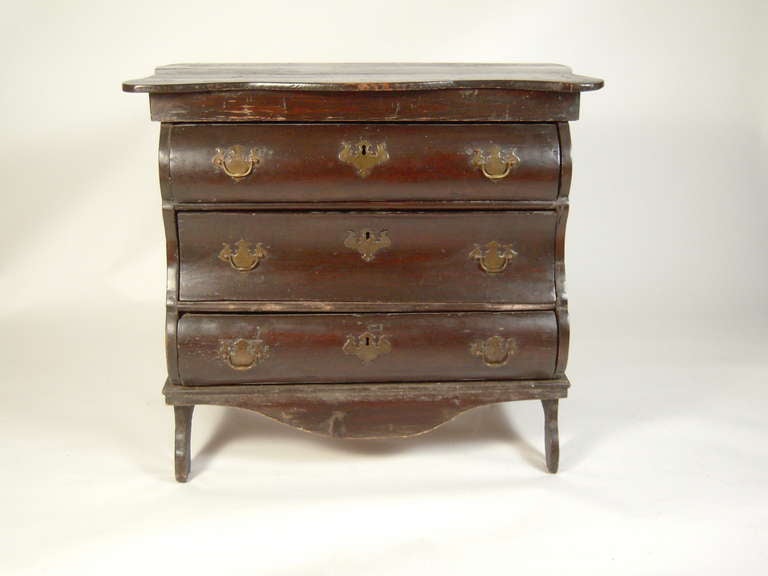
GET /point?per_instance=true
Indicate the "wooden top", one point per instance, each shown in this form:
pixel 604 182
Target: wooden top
pixel 373 77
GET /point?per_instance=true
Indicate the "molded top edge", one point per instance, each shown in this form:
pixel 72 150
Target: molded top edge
pixel 361 77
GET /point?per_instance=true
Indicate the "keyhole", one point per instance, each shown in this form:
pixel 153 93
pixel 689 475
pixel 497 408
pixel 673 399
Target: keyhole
pixel 367 341
pixel 363 149
pixel 367 235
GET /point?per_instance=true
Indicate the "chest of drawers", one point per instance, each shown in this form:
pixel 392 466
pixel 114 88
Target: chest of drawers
pixel 364 250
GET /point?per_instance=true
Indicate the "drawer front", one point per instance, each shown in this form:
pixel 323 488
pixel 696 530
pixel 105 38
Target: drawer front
pixel 354 162
pixel 240 349
pixel 477 257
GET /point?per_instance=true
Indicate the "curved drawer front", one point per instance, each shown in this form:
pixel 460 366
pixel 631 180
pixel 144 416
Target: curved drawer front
pixel 359 162
pixel 232 349
pixel 449 257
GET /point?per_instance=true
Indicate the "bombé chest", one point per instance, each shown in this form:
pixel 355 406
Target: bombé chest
pixel 364 250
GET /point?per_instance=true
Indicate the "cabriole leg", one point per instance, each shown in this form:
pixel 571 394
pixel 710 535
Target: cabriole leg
pixel 551 440
pixel 183 416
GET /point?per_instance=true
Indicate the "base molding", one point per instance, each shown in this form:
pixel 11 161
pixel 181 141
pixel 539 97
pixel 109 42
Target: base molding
pixel 369 410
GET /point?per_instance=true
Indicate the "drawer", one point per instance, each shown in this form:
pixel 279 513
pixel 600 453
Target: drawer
pixel 398 257
pixel 359 162
pixel 241 349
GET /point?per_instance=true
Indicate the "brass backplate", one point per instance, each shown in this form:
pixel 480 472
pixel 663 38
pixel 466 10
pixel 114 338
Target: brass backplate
pixel 369 345
pixel 495 351
pixel 494 161
pixel 236 161
pixel 243 258
pixel 367 242
pixel 243 353
pixel 363 155
pixel 494 256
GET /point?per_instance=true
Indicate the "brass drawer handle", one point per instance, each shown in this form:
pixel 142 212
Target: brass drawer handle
pixel 495 162
pixel 236 162
pixel 495 351
pixel 369 345
pixel 494 256
pixel 367 242
pixel 242 353
pixel 363 156
pixel 243 258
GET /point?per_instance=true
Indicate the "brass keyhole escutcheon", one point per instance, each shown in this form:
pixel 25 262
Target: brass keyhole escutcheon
pixel 369 345
pixel 243 353
pixel 236 162
pixel 243 258
pixel 367 242
pixel 363 156
pixel 494 162
pixel 493 257
pixel 495 351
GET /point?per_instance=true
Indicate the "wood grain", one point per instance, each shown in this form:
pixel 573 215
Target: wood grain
pixel 484 105
pixel 361 77
pixel 301 163
pixel 312 303
pixel 310 347
pixel 428 259
pixel 354 410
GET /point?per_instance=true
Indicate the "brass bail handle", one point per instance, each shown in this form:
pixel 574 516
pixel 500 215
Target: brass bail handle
pixel 243 257
pixel 236 162
pixel 243 353
pixel 493 256
pixel 494 162
pixel 495 351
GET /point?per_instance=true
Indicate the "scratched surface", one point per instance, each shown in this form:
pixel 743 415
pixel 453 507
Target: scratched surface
pixel 448 104
pixel 361 77
pixel 381 410
pixel 300 163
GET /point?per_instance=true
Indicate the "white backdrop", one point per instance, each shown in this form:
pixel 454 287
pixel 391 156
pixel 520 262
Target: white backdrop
pixel 662 467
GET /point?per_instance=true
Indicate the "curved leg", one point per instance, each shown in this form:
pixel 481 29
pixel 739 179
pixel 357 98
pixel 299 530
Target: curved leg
pixel 183 417
pixel 551 439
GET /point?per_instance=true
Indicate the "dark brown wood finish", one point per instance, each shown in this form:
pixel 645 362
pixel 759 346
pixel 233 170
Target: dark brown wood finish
pixel 561 308
pixel 405 205
pixel 428 258
pixel 402 347
pixel 317 319
pixel 171 256
pixel 171 294
pixel 301 163
pixel 357 410
pixel 561 303
pixel 566 165
pixel 551 434
pixel 361 77
pixel 361 307
pixel 182 440
pixel 490 105
pixel 364 92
